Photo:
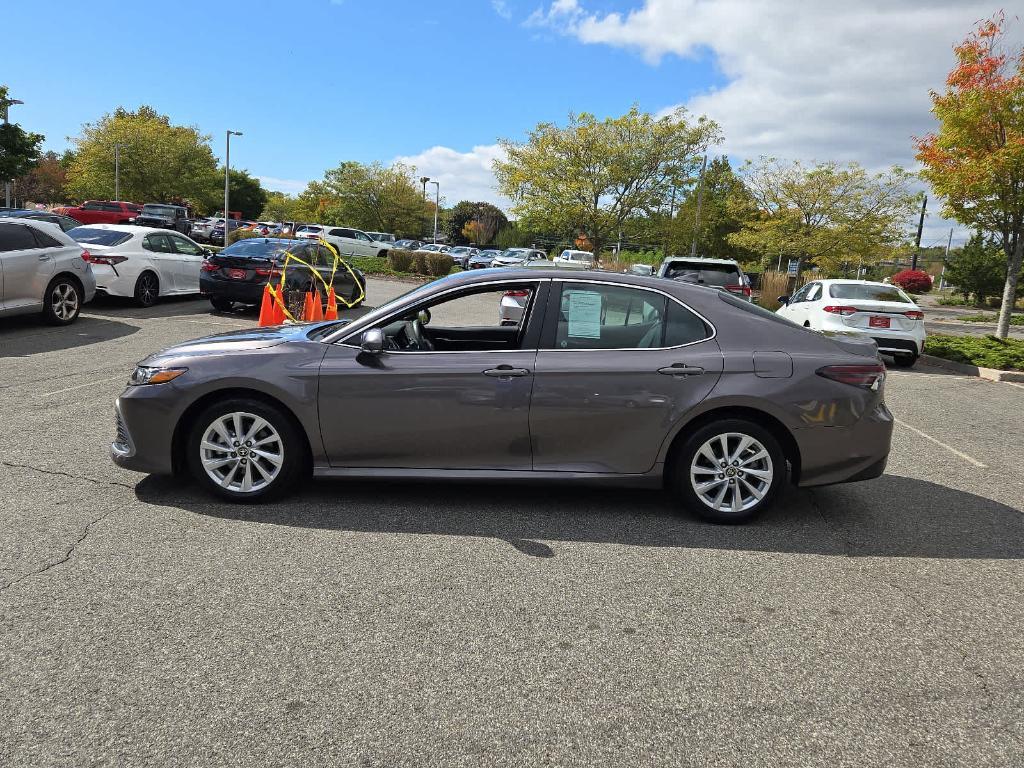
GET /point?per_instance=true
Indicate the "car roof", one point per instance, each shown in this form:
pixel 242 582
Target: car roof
pixel 834 280
pixel 132 228
pixel 703 259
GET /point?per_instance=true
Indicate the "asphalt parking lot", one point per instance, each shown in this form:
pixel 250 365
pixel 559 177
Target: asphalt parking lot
pixel 143 623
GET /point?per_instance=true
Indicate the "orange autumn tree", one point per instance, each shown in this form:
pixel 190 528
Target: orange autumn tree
pixel 975 160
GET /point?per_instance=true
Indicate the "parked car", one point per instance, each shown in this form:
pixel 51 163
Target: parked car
pixel 250 413
pixel 164 217
pixel 348 241
pixel 382 237
pixel 102 212
pixel 238 274
pixel 64 222
pixel 724 274
pixel 143 263
pixel 435 248
pixel 265 227
pixel 42 270
pixel 575 258
pixel 461 254
pixel 875 310
pixel 216 236
pixel 408 245
pixel 518 257
pixel 201 228
pixel 483 259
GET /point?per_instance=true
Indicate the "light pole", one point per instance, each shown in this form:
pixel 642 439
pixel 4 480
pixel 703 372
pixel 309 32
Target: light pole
pixel 7 182
pixel 437 205
pixel 227 183
pixel 423 181
pixel 117 171
pixel 700 199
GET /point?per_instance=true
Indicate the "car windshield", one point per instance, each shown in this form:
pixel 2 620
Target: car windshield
pixel 703 273
pixel 257 248
pixel 94 236
pixel 158 210
pixel 868 292
pixel 306 228
pixel 514 253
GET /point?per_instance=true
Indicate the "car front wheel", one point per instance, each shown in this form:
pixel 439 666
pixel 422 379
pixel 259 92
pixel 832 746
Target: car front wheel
pixel 147 289
pixel 245 450
pixel 63 301
pixel 729 471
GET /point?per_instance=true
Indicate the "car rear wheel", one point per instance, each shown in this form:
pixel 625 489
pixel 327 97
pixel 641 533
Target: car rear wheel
pixel 147 289
pixel 382 254
pixel 63 301
pixel 221 304
pixel 904 361
pixel 245 450
pixel 729 471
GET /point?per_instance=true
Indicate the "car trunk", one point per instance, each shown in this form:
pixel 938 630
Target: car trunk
pixel 241 268
pixel 883 315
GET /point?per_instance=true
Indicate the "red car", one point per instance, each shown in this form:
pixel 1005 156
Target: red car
pixel 102 212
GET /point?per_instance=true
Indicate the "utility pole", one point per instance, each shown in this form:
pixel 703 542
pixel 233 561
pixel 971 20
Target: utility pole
pixel 227 180
pixel 942 274
pixel 117 171
pixel 7 182
pixel 437 205
pixel 423 181
pixel 668 228
pixel 700 200
pixel 920 228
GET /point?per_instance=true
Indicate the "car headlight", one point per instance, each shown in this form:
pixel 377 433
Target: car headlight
pixel 144 374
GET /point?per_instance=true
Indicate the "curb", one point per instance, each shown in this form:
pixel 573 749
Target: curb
pixel 991 374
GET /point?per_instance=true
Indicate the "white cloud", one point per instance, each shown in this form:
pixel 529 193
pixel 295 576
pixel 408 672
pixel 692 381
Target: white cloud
pixel 805 80
pixel 291 186
pixel 462 175
pixel 501 8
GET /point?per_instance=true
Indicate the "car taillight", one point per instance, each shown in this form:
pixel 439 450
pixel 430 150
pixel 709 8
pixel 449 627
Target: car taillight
pixel 841 310
pixel 516 294
pixel 208 267
pixel 109 260
pixel 914 314
pixel 267 272
pixel 86 256
pixel 741 289
pixel 867 375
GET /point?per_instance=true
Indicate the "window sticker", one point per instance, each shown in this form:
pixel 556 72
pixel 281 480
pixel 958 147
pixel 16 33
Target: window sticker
pixel 585 315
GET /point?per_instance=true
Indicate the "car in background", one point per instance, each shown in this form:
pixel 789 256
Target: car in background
pixel 407 245
pixel 483 259
pixel 216 235
pixel 141 263
pixel 573 258
pixel 43 270
pixel 878 311
pixel 519 257
pixel 201 228
pixel 102 212
pixel 64 222
pixel 348 241
pixel 723 274
pixel 382 237
pixel 265 227
pixel 238 274
pixel 461 254
pixel 162 216
pixel 435 248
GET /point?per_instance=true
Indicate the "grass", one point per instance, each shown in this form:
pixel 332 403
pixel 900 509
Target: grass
pixel 981 318
pixel 982 351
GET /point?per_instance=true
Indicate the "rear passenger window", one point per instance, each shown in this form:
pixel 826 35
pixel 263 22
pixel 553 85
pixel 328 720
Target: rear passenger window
pixel 43 240
pixel 609 317
pixel 16 237
pixel 683 327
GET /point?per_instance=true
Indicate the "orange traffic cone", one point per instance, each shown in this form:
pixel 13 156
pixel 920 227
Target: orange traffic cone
pixel 307 308
pixel 318 308
pixel 278 309
pixel 267 307
pixel 332 305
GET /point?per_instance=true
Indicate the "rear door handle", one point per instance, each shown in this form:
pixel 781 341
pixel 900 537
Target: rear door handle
pixel 678 369
pixel 44 257
pixel 506 372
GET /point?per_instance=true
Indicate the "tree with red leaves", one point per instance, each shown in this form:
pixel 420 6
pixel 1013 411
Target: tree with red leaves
pixel 976 159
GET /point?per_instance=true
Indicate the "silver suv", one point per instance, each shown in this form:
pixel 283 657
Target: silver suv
pixel 42 270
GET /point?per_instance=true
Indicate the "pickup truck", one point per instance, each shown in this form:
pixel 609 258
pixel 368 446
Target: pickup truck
pixel 164 217
pixel 102 212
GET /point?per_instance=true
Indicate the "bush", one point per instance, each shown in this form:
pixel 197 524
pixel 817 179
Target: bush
pixel 983 351
pixel 438 264
pixel 419 262
pixel 400 261
pixel 913 280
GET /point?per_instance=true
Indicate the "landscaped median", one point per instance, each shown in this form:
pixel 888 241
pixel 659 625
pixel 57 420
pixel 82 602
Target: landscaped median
pixel 984 356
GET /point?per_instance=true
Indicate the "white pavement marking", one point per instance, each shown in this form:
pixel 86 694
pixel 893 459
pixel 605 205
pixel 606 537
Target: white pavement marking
pixel 950 448
pixel 86 384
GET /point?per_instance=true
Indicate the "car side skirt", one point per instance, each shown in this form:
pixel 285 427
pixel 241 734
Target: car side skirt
pixel 651 479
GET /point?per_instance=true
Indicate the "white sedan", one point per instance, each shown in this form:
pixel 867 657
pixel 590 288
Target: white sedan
pixel 143 263
pixel 877 310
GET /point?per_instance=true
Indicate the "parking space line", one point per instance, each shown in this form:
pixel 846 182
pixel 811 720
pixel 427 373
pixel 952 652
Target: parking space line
pixel 951 449
pixel 86 384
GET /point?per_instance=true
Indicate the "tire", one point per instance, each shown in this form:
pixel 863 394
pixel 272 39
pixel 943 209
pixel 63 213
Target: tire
pixel 62 301
pixel 147 289
pixel 691 467
pixel 904 361
pixel 382 254
pixel 221 304
pixel 278 437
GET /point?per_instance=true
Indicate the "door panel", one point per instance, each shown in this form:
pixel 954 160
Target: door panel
pixel 27 268
pixel 187 265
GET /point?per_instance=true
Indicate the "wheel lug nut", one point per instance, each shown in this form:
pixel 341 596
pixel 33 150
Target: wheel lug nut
pixel 236 443
pixel 233 454
pixel 721 477
pixel 735 463
pixel 248 442
pixel 243 461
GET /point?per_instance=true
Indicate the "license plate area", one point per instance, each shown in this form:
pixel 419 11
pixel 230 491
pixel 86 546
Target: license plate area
pixel 239 274
pixel 878 322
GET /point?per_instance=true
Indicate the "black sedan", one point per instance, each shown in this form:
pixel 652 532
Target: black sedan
pixel 238 273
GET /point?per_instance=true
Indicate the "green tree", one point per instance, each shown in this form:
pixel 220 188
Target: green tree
pixel 247 194
pixel 159 161
pixel 828 215
pixel 371 197
pixel 477 222
pixel 592 176
pixel 725 205
pixel 976 159
pixel 19 149
pixel 44 183
pixel 978 269
pixel 281 207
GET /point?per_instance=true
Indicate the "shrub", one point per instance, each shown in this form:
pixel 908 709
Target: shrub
pixel 985 351
pixel 419 262
pixel 913 280
pixel 438 264
pixel 400 261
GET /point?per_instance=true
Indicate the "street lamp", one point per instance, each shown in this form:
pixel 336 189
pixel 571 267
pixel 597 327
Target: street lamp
pixel 437 205
pixel 227 185
pixel 423 181
pixel 7 182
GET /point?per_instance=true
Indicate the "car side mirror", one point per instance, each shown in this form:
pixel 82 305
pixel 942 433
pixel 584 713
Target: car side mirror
pixel 372 341
pixel 423 316
pixel 784 300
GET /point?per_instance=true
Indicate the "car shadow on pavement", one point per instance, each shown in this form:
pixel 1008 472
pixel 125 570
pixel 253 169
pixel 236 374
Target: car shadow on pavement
pixel 892 516
pixel 27 335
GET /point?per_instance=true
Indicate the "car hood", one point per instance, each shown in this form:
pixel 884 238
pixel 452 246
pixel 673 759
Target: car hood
pixel 237 341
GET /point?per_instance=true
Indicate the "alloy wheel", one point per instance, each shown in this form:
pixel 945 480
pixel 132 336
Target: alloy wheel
pixel 64 301
pixel 241 452
pixel 147 290
pixel 731 472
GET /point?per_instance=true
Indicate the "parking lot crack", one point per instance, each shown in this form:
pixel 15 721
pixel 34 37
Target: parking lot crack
pixel 847 546
pixel 58 473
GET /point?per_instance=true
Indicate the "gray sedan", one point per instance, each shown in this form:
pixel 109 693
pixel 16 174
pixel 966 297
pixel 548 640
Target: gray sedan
pixel 608 378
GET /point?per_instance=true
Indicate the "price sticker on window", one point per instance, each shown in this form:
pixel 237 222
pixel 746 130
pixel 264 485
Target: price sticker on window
pixel 584 315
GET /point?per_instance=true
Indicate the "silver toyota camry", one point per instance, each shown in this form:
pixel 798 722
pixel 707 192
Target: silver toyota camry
pixel 606 378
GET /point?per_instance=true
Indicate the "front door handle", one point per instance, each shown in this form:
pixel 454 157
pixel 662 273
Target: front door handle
pixel 506 372
pixel 44 257
pixel 679 369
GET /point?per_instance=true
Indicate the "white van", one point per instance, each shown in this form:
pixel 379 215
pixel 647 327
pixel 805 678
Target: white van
pixel 571 258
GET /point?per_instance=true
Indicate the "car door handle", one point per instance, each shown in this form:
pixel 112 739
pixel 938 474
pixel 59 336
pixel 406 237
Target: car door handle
pixel 506 372
pixel 679 369
pixel 44 257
